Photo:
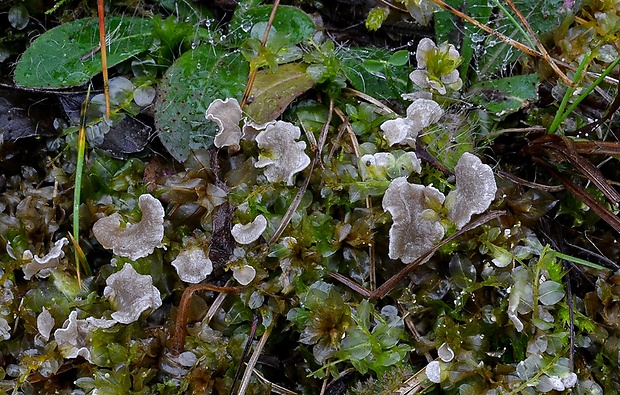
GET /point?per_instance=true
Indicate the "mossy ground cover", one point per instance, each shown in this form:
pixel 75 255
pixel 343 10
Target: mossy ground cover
pixel 338 197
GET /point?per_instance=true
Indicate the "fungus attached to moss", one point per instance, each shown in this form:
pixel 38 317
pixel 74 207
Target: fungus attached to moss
pixel 131 294
pixel 45 324
pixel 250 232
pixel 72 338
pixel 193 265
pixel 281 155
pixel 474 192
pixel 134 240
pixel 227 114
pixel 416 226
pixel 244 274
pixel 43 266
pixel 420 114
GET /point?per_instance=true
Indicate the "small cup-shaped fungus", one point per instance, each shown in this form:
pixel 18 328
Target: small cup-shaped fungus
pixel 250 232
pixel 134 240
pixel 227 115
pixel 474 192
pixel 131 294
pixel 43 266
pixel 420 114
pixel 282 155
pixel 244 274
pixel 45 324
pixel 72 338
pixel 193 265
pixel 416 226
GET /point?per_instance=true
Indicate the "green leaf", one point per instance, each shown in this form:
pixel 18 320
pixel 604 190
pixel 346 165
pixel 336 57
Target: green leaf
pixel 361 66
pixel 550 292
pixel 196 79
pixel 64 56
pixel 273 91
pixel 291 21
pixel 462 271
pixel 399 58
pixel 506 95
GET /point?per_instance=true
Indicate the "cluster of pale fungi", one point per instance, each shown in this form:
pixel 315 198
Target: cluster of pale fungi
pixel 415 209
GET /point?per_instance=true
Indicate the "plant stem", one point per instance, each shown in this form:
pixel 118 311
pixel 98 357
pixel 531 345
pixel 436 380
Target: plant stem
pixel 79 167
pixel 561 115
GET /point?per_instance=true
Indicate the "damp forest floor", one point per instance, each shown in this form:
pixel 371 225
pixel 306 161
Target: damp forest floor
pixel 309 197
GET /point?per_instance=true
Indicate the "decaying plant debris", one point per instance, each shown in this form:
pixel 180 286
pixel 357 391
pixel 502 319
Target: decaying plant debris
pixel 281 201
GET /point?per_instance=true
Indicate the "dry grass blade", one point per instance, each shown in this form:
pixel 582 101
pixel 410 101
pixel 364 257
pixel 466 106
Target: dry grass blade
pixel 393 281
pixel 104 58
pixel 507 40
pixel 254 71
pixel 540 47
pixel 180 327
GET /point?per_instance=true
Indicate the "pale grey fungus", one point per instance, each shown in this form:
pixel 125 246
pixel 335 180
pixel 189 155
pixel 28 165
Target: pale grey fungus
pixel 416 226
pixel 474 192
pixel 250 232
pixel 5 329
pixel 227 114
pixel 131 294
pixel 433 372
pixel 244 274
pixel 281 155
pixel 42 267
pixel 45 324
pixel 192 264
pixel 445 352
pixel 72 338
pixel 421 114
pixel 400 131
pixel 134 241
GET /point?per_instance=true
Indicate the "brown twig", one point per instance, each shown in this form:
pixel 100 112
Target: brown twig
pixel 254 70
pixel 180 326
pixel 506 39
pixel 391 283
pixel 297 199
pixel 104 57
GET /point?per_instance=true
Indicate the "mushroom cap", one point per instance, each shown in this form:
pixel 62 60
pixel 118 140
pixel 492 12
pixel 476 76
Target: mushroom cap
pixel 43 266
pixel 227 114
pixel 250 232
pixel 45 324
pixel 283 157
pixel 193 265
pixel 413 231
pixel 135 240
pixel 131 294
pixel 474 192
pixel 244 274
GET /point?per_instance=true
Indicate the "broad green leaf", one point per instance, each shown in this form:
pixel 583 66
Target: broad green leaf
pixel 273 91
pixel 196 79
pixel 368 70
pixel 251 23
pixel 66 55
pixel 506 95
pixel 550 292
pixel 399 58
